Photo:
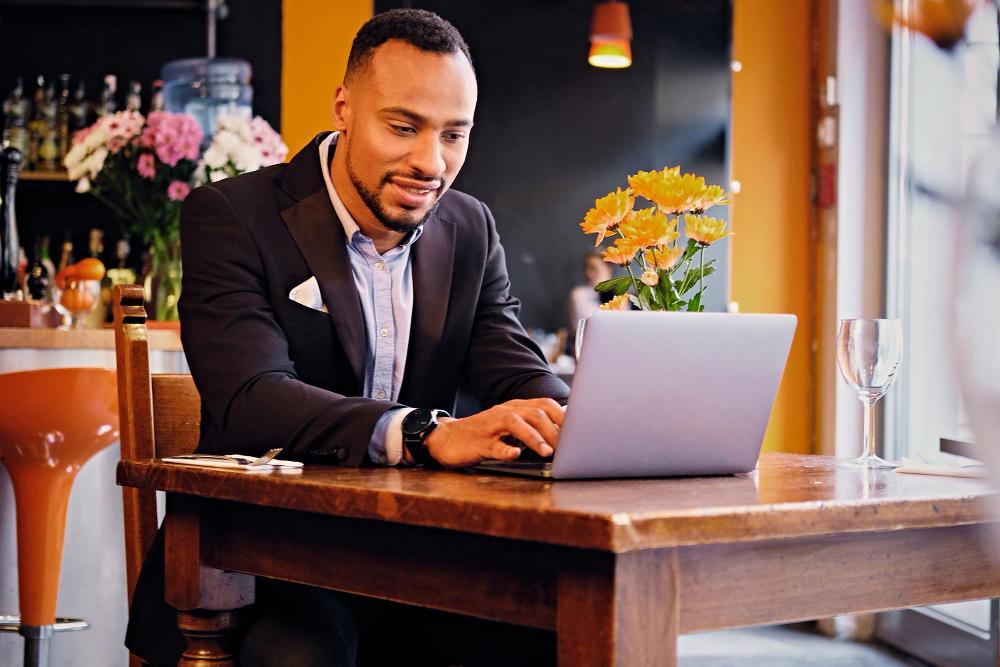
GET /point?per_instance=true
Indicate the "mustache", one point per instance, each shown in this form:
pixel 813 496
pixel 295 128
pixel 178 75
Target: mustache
pixel 435 182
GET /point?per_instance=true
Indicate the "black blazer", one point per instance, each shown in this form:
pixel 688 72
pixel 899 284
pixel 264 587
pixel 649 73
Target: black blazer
pixel 272 372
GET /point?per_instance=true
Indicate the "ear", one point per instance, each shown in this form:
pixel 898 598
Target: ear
pixel 341 110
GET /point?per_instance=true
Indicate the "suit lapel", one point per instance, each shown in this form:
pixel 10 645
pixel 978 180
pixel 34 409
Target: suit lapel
pixel 433 260
pixel 319 235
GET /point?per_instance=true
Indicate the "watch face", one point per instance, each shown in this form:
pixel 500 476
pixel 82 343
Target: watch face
pixel 417 421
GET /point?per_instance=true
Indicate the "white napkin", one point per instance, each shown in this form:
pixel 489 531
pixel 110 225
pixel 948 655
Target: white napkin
pixel 308 294
pixel 919 467
pixel 273 464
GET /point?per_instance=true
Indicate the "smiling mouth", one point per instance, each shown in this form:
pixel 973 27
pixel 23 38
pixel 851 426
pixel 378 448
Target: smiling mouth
pixel 415 194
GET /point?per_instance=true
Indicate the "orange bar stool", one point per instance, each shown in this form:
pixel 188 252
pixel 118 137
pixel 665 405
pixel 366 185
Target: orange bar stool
pixel 51 422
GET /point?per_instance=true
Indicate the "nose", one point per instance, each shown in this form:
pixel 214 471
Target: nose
pixel 427 158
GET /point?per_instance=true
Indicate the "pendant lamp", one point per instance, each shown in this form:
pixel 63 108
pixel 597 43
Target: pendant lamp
pixel 610 35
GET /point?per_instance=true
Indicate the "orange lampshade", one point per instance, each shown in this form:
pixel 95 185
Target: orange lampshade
pixel 612 53
pixel 610 35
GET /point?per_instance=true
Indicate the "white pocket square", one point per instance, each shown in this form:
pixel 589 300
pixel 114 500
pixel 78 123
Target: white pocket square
pixel 307 294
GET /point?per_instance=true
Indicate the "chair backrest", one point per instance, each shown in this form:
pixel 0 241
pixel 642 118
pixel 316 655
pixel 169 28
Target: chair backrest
pixel 159 415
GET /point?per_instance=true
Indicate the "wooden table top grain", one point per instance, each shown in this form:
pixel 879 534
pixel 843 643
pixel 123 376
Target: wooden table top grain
pixel 787 496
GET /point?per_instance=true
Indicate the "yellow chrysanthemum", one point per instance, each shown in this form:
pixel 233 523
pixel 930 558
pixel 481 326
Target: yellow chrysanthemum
pixel 620 302
pixel 647 228
pixel 620 254
pixel 943 21
pixel 670 190
pixel 664 257
pixel 650 277
pixel 711 195
pixel 608 211
pixel 705 229
pixel 648 183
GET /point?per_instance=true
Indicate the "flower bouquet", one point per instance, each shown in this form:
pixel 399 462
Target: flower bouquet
pixel 144 167
pixel 662 272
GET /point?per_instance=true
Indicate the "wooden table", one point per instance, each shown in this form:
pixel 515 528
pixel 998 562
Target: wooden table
pixel 617 568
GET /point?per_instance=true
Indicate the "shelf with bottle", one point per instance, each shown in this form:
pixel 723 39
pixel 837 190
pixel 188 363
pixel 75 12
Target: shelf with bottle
pixel 42 127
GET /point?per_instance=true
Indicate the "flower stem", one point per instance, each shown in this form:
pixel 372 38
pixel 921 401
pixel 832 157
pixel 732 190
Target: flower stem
pixel 701 274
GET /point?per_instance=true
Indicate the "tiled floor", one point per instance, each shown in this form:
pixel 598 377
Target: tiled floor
pixel 783 646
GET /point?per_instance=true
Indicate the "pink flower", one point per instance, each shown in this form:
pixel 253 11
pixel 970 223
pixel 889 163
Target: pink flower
pixel 172 136
pixel 146 166
pixel 82 134
pixel 178 190
pixel 121 128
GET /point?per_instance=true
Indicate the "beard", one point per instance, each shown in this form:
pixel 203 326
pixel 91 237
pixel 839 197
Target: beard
pixel 398 223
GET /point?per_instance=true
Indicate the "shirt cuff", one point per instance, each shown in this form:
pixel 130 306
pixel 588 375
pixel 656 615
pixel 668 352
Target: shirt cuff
pixel 386 445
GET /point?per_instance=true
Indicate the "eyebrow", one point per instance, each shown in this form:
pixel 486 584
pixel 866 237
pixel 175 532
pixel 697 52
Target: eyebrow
pixel 417 118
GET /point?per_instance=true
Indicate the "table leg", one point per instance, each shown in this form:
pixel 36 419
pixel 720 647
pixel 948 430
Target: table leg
pixel 207 599
pixel 619 610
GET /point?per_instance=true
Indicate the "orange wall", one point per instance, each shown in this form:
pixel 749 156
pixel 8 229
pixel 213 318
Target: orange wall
pixel 316 38
pixel 772 249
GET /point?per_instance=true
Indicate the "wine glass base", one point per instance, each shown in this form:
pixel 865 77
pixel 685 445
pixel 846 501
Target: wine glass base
pixel 868 462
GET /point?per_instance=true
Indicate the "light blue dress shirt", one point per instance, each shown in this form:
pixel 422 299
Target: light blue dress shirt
pixel 385 288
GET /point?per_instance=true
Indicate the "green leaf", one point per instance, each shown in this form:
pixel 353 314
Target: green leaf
pixel 620 285
pixel 694 305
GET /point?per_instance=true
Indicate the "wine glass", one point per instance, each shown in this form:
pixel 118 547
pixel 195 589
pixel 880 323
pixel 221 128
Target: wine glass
pixel 868 354
pixel 79 298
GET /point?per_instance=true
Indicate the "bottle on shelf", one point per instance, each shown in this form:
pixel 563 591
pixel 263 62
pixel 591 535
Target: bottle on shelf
pixel 10 248
pixel 15 118
pixel 117 274
pixel 108 105
pixel 62 116
pixel 38 279
pixel 133 101
pixel 79 109
pixel 36 124
pixel 156 99
pixel 48 148
pixel 46 260
pixel 95 318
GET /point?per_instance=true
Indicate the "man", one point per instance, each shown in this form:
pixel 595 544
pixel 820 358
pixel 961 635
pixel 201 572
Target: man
pixel 332 306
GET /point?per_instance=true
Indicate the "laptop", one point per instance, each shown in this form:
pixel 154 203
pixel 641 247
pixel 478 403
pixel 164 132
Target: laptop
pixel 667 394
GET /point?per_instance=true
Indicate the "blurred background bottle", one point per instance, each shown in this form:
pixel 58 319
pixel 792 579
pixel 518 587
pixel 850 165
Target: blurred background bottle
pixel 79 110
pixel 108 105
pixel 15 118
pixel 95 248
pixel 39 278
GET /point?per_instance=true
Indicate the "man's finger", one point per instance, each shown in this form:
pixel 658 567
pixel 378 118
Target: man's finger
pixel 542 423
pixel 527 434
pixel 501 452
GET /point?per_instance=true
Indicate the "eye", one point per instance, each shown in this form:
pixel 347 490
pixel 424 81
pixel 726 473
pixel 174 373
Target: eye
pixel 402 129
pixel 454 137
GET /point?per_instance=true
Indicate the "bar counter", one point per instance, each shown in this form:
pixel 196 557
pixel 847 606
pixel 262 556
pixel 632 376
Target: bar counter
pixel 92 585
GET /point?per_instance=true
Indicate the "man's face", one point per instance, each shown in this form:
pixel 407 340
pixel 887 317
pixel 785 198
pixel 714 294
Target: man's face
pixel 405 125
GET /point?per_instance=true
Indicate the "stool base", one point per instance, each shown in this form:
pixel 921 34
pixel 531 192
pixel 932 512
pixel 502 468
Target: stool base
pixel 36 637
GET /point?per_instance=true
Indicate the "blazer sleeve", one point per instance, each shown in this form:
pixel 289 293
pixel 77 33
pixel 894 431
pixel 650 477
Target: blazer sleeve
pixel 503 362
pixel 238 353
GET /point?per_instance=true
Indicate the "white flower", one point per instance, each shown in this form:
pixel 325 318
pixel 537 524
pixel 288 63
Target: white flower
pixel 217 176
pixel 214 157
pixel 246 159
pixel 95 162
pixel 82 185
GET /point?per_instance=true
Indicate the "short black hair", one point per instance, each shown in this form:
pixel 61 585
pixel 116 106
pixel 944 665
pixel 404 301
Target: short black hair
pixel 425 30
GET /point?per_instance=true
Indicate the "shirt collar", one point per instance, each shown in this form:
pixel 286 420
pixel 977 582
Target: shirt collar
pixel 350 226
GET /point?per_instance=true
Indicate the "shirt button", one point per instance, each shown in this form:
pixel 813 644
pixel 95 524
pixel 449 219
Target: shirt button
pixel 384 332
pixel 343 454
pixel 379 266
pixel 380 393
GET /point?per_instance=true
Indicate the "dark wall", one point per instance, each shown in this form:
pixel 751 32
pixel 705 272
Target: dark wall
pixel 553 133
pixel 132 41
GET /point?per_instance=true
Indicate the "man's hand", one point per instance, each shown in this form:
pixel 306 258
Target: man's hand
pixel 457 443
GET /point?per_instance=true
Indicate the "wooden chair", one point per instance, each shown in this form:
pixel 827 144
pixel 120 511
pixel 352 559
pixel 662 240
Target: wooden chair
pixel 160 416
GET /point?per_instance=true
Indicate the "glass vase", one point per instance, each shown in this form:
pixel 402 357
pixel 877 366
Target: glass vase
pixel 163 283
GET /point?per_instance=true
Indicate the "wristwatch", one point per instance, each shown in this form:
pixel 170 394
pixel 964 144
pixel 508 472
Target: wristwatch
pixel 416 427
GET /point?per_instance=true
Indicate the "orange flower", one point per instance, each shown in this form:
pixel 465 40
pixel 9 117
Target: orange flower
pixel 712 195
pixel 671 191
pixel 705 229
pixel 608 211
pixel 943 21
pixel 664 257
pixel 650 277
pixel 620 302
pixel 647 228
pixel 620 254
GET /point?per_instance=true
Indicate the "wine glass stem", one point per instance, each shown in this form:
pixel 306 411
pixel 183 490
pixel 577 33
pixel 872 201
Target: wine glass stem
pixel 869 429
